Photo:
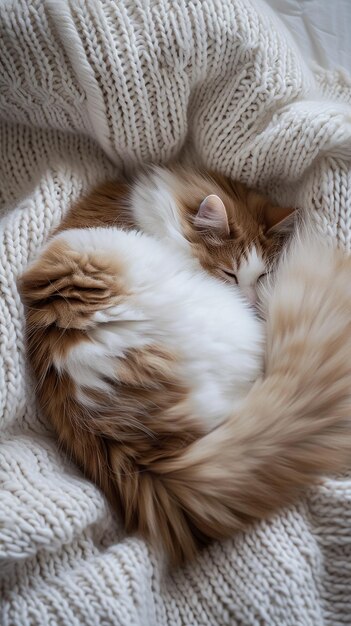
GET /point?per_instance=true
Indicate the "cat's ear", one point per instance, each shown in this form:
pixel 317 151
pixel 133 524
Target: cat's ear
pixel 212 215
pixel 279 219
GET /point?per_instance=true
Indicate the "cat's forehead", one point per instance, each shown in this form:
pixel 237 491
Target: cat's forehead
pixel 251 266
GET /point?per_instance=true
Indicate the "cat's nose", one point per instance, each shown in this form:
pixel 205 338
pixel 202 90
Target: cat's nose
pixel 250 295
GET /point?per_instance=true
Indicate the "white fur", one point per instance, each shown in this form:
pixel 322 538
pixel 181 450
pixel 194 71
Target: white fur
pixel 176 305
pixel 155 209
pixel 248 273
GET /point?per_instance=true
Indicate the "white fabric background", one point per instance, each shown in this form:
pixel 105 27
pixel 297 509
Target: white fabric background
pixel 321 29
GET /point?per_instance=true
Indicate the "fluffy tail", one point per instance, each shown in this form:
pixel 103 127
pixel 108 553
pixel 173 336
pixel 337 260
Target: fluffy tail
pixel 293 428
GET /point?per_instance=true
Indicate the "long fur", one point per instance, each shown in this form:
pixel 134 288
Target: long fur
pixel 130 414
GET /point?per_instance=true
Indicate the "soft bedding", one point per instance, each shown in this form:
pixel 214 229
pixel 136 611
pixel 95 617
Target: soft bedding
pixel 88 90
pixel 320 28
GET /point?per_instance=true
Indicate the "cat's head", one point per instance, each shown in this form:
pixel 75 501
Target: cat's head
pixel 240 243
pixel 238 235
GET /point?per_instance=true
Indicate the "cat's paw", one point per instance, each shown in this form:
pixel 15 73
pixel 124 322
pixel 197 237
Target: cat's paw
pixel 69 288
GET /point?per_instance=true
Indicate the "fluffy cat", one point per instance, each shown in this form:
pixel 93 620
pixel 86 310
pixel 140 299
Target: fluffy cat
pixel 145 365
pixel 233 231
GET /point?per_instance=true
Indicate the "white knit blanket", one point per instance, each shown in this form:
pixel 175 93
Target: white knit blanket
pixel 88 89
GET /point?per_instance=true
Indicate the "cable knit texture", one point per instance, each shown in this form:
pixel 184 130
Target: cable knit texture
pixel 90 89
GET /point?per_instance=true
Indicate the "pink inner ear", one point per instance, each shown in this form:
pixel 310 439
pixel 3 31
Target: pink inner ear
pixel 212 215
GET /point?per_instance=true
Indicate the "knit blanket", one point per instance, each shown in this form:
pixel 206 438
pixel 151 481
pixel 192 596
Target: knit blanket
pixel 88 91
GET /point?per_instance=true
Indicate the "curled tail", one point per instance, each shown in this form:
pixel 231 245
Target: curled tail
pixel 293 428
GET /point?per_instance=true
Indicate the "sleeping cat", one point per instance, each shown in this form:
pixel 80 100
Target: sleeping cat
pixel 233 231
pixel 145 365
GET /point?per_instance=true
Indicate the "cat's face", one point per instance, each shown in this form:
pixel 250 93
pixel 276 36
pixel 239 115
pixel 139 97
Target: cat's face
pixel 245 269
pixel 239 245
pixel 242 263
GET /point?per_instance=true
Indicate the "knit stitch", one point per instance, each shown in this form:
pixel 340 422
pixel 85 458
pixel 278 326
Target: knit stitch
pixel 89 90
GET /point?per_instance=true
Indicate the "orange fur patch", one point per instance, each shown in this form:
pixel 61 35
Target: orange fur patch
pixel 106 205
pixel 66 287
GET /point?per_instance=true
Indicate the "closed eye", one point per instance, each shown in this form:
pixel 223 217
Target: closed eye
pixel 231 275
pixel 262 276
